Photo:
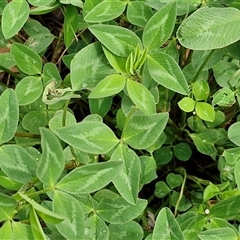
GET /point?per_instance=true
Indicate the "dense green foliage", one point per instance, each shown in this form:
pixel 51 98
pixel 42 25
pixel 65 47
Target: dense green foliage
pixel 119 119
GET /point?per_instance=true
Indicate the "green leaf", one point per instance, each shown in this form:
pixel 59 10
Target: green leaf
pixel 44 9
pixel 210 191
pixel 40 2
pixel 52 162
pixel 105 11
pixel 17 163
pixel 141 97
pixel 200 90
pixel 69 207
pixel 36 226
pixel 50 74
pixel 6 231
pixel 130 230
pixel 232 155
pixel 29 89
pixel 167 227
pixel 118 40
pixel 14 15
pixel 27 60
pixel 226 209
pixel 187 104
pixel 160 27
pixel 138 13
pixel 89 136
pixel 9 114
pixel 95 228
pixel 7 207
pixel 21 231
pixel 100 106
pixel 9 183
pixel 224 97
pixel 182 151
pixel 163 155
pixel 233 133
pixel 201 32
pixel 218 233
pixel 165 71
pixel 129 174
pixel 205 111
pixel 174 180
pixel 70 24
pixel 44 213
pixel 148 169
pixel 237 173
pixel 90 178
pixel 93 68
pixel 161 189
pixel 109 86
pixel 117 210
pixel 140 132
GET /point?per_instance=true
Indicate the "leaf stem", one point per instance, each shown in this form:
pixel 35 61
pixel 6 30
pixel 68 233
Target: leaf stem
pixel 195 78
pixel 10 72
pixel 29 135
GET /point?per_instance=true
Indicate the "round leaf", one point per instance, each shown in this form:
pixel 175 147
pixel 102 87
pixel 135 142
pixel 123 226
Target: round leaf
pixel 200 90
pixel 233 133
pixel 205 111
pixel 187 104
pixel 182 151
pixel 161 189
pixel 174 180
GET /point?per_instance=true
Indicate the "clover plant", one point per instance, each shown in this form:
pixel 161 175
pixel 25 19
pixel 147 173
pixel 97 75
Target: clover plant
pixel 119 119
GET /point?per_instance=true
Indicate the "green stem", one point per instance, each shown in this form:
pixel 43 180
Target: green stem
pixel 181 191
pixel 10 72
pixel 195 78
pixel 29 135
pixel 65 113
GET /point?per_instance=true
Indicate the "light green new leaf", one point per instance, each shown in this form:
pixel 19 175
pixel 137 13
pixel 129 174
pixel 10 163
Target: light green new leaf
pixel 95 228
pixel 105 11
pixel 142 131
pixel 118 40
pixel 167 227
pixel 130 230
pixel 109 86
pixel 89 136
pixel 69 207
pixel 127 181
pixel 7 207
pixel 218 233
pixel 9 114
pixel 165 71
pixel 205 111
pixel 40 2
pixel 141 97
pixel 90 178
pixel 52 162
pixel 27 60
pixel 187 104
pixel 36 226
pixel 117 210
pixel 47 215
pixel 17 163
pixel 200 31
pixel 29 89
pixel 233 133
pixel 14 15
pixel 6 230
pixel 160 26
pixel 138 13
pixel 88 67
pixel 21 231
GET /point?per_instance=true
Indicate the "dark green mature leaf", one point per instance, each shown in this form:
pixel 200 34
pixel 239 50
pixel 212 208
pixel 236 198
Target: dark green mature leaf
pixel 69 207
pixel 141 97
pixel 142 131
pixel 226 209
pixel 233 133
pixel 9 114
pixel 27 60
pixel 89 136
pixel 118 40
pixel 160 26
pixel 17 163
pixel 167 227
pixel 95 228
pixel 127 181
pixel 117 210
pixel 109 86
pixel 52 162
pixel 105 11
pixel 7 207
pixel 90 178
pixel 100 106
pixel 29 89
pixel 88 67
pixel 130 230
pixel 14 15
pixel 202 32
pixel 165 71
pixel 44 213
